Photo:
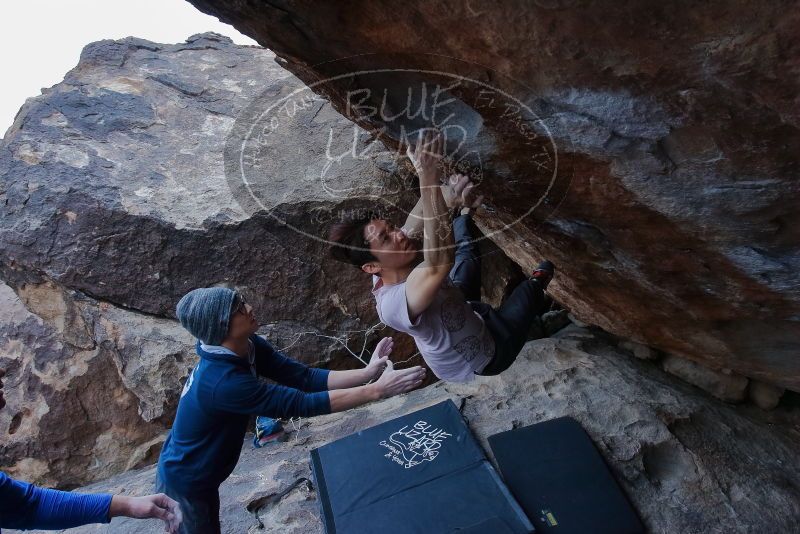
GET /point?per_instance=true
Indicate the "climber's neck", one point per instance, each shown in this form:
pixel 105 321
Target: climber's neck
pixel 240 346
pixel 395 276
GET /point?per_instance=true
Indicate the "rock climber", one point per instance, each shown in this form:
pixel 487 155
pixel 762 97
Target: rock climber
pixel 437 300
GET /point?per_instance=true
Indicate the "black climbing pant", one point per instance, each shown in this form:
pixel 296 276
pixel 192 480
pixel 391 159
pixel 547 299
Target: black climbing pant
pixel 509 324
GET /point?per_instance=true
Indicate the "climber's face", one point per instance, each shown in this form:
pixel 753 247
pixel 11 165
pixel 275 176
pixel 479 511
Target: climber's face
pixel 242 322
pixel 392 248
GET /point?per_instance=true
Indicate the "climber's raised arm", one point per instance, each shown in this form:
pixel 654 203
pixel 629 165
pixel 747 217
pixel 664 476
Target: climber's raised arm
pixel 457 193
pixel 425 280
pixel 414 222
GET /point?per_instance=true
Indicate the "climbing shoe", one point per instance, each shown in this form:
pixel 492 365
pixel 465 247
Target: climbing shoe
pixel 544 273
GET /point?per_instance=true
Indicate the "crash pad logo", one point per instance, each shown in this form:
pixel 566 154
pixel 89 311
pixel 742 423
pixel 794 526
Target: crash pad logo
pixel 412 445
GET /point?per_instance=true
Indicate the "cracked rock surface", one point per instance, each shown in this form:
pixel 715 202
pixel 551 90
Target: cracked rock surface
pixel 688 462
pixel 649 150
pixel 121 188
pixel 91 388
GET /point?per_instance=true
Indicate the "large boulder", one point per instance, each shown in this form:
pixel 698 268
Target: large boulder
pixel 137 179
pixel 114 183
pixel 648 149
pixel 91 388
pixel 688 462
pixel 115 201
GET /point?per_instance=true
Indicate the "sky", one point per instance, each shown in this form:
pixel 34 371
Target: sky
pixel 40 40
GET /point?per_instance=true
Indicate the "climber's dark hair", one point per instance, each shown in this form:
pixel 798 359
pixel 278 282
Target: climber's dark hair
pixel 347 241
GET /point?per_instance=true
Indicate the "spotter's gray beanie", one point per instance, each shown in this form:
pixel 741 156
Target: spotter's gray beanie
pixel 205 313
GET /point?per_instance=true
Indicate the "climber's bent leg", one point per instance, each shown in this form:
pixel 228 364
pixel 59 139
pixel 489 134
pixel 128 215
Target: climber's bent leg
pixel 466 271
pixel 511 322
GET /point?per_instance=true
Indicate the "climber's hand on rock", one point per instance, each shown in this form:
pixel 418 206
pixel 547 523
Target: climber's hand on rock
pixel 380 356
pixel 427 155
pixel 459 192
pixel 393 382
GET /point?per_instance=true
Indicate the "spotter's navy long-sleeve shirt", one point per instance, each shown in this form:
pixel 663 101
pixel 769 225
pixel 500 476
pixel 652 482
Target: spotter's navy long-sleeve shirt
pixel 220 395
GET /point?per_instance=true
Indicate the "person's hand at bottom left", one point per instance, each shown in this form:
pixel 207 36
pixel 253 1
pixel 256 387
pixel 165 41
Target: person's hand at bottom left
pixel 158 506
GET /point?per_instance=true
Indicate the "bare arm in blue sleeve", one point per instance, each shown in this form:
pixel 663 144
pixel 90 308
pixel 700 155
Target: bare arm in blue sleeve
pixel 277 366
pixel 23 506
pixel 284 370
pixel 245 394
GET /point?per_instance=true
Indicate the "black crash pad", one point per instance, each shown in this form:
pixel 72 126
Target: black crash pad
pixel 422 472
pixel 561 481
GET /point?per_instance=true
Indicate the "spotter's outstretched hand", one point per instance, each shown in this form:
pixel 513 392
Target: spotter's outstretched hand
pixel 380 356
pixel 393 382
